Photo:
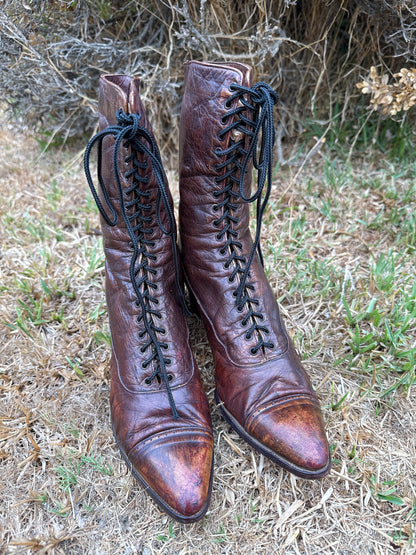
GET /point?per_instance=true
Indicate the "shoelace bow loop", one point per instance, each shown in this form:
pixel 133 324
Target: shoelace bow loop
pixel 129 132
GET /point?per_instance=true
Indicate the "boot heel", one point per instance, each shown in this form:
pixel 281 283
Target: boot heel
pixel 193 303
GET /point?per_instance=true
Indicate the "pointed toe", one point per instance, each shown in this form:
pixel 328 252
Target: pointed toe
pixel 176 469
pixel 293 434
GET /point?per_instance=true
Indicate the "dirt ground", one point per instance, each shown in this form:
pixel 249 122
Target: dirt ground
pixel 339 244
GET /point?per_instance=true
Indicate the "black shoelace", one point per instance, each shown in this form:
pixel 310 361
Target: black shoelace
pixel 129 132
pixel 258 102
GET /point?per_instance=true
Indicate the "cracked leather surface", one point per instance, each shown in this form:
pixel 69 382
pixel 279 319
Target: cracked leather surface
pixel 161 450
pixel 247 383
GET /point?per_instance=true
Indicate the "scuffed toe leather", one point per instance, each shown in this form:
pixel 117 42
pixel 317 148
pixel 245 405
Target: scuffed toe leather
pixel 179 465
pixel 293 433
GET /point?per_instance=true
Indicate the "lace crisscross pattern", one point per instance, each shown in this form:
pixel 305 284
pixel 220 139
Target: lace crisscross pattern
pixel 136 210
pixel 250 128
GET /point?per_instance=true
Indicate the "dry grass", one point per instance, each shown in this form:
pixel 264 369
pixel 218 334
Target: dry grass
pixel 65 488
pixel 314 52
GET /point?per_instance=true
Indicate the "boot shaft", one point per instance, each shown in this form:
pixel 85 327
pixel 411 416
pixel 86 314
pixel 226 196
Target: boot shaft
pixel 204 121
pixel 218 122
pixel 121 92
pixel 143 279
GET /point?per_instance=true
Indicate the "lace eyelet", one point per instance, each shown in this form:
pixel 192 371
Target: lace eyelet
pixel 131 246
pixel 142 349
pixel 147 380
pixel 240 309
pixel 168 362
pixel 170 377
pixel 253 351
pixel 145 365
pixel 248 336
pixel 231 279
pixel 215 207
pixel 224 118
pixel 218 237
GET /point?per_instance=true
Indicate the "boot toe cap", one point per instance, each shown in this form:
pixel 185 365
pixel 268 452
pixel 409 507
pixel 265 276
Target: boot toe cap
pixel 294 434
pixel 176 469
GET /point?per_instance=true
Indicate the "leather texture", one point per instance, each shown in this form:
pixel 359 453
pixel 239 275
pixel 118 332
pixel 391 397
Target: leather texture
pixel 172 458
pixel 265 395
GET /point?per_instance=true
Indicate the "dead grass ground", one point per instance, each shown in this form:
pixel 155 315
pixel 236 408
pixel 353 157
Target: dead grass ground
pixel 340 247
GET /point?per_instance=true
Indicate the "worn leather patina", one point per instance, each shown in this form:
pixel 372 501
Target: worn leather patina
pixel 261 385
pixel 170 454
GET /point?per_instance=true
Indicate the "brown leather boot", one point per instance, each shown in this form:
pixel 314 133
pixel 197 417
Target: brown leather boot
pixel 159 410
pixel 262 389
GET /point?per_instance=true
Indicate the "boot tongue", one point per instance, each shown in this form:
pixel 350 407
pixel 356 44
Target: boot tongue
pixel 113 95
pixel 134 102
pixel 246 71
pixel 135 105
pixel 120 91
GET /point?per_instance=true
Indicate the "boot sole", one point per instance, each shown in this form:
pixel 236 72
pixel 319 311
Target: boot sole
pixel 281 461
pixel 158 500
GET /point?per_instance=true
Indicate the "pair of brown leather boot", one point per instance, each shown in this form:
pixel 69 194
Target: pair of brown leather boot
pixel 159 410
